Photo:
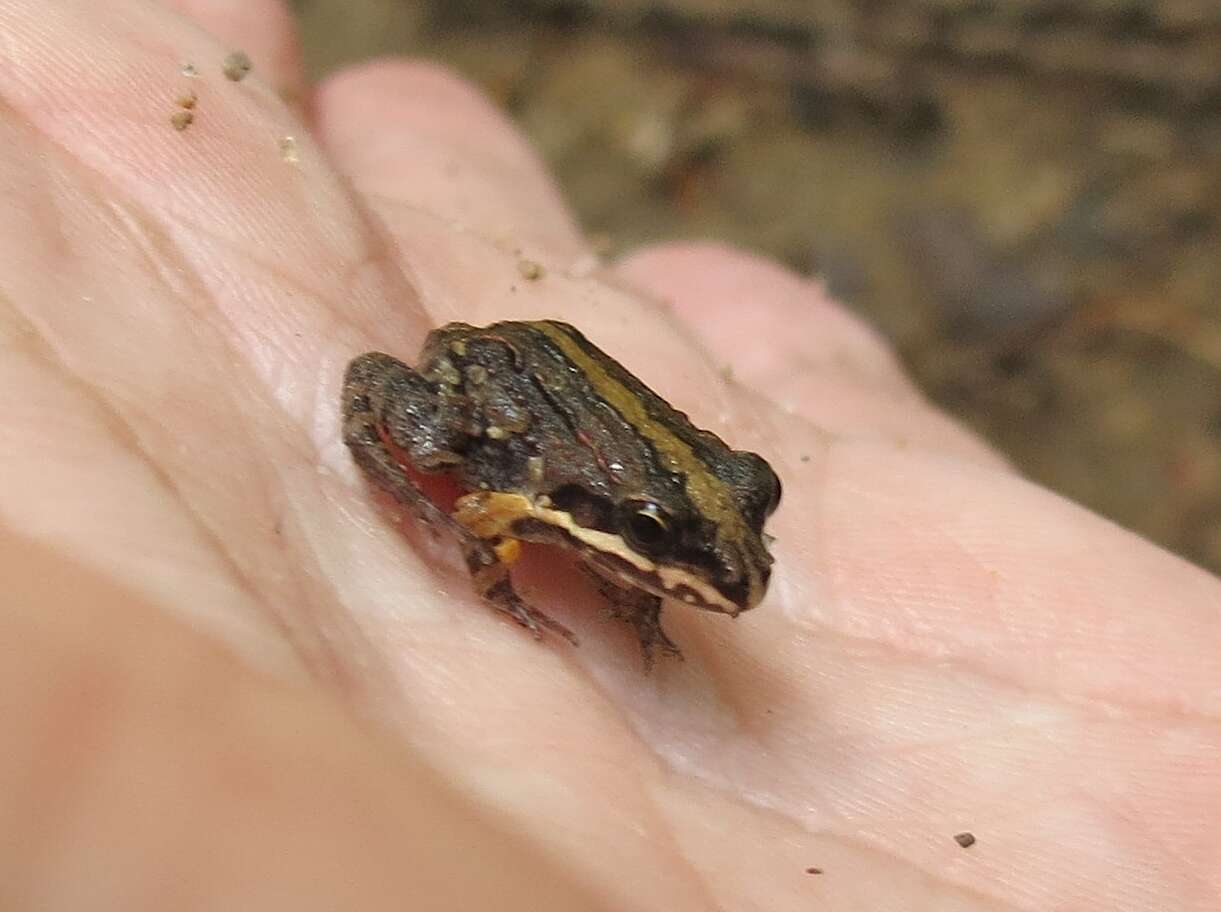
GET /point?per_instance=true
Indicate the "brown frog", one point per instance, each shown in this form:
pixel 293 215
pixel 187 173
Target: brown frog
pixel 554 441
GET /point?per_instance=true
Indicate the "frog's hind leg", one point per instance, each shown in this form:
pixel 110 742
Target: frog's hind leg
pixel 389 405
pixel 364 403
pixel 381 398
pixel 489 573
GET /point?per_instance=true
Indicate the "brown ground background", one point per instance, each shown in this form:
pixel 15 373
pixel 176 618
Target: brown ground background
pixel 1023 195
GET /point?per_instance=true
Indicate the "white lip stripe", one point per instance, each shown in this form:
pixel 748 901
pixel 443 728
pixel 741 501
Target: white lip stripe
pixel 672 578
pixel 489 514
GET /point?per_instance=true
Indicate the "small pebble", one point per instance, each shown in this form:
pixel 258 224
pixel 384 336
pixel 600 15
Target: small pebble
pixel 529 269
pixel 237 65
pixel 966 840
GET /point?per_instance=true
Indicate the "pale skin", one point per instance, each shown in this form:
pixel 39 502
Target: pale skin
pixel 235 677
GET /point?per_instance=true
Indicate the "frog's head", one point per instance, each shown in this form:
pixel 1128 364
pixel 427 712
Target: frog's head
pixel 698 540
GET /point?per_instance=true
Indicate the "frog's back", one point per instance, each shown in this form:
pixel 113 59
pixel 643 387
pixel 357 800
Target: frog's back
pixel 618 387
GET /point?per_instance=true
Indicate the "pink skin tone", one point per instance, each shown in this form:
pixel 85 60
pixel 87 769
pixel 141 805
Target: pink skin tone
pixel 235 679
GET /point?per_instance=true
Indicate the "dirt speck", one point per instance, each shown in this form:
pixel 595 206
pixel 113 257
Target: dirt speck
pixel 288 149
pixel 966 840
pixel 180 120
pixel 530 269
pixel 237 65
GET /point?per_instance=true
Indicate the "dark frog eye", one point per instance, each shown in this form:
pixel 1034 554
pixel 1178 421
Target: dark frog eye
pixel 647 527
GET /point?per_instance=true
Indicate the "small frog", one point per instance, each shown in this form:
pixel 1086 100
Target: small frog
pixel 554 441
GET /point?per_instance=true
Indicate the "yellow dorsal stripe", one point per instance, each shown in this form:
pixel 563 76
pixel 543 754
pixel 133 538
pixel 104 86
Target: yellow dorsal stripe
pixel 711 496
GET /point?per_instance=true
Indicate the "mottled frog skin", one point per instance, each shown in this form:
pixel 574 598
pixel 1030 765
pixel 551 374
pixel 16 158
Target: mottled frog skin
pixel 554 441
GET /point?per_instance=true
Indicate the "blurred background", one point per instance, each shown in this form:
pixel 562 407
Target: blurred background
pixel 1024 196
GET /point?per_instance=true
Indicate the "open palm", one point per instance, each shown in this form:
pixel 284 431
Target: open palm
pixel 236 676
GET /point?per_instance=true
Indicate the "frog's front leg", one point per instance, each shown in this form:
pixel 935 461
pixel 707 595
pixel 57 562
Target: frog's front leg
pixel 486 520
pixel 490 572
pixel 640 609
pixel 395 417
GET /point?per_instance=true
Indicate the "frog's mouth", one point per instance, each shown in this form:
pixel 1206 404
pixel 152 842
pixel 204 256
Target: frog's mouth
pixel 491 514
pixel 610 556
pixel 662 581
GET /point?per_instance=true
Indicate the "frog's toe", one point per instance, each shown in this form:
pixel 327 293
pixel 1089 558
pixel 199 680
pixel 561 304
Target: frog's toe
pixel 654 640
pixel 556 627
pixel 505 599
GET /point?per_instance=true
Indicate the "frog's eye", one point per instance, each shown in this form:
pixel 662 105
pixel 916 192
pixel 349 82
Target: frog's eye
pixel 647 526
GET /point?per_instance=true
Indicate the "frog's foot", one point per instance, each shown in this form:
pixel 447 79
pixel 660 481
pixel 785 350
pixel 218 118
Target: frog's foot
pixel 491 577
pixel 646 620
pixel 643 612
pixel 504 598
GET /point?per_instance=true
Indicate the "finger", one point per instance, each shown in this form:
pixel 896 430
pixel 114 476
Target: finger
pixel 263 29
pixel 764 315
pixel 782 336
pixel 140 761
pixel 412 134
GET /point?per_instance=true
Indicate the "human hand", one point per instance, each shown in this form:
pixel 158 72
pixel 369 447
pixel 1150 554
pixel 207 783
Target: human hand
pixel 233 681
